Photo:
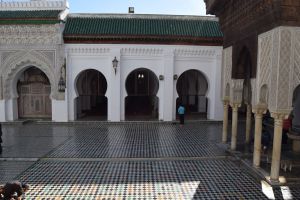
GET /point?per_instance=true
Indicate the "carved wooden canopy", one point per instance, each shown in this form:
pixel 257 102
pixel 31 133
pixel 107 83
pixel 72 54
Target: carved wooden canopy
pixel 242 21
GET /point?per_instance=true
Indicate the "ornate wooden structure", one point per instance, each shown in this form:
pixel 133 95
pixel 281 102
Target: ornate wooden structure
pixel 242 21
pixel 261 64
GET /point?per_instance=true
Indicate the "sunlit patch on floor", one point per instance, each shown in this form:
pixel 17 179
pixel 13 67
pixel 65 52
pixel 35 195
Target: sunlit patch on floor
pixel 168 190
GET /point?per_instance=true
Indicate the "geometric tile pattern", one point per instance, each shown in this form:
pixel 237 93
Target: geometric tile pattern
pixel 201 179
pixel 141 141
pixel 10 169
pixel 198 168
pixel 32 141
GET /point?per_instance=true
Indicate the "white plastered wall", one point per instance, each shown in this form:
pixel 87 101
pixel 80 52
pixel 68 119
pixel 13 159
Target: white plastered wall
pixel 162 60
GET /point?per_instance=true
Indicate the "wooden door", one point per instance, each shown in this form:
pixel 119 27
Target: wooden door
pixel 34 100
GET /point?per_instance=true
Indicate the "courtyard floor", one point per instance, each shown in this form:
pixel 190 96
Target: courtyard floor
pixel 128 161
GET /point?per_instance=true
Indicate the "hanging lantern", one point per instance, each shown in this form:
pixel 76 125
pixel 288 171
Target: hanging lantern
pixel 115 64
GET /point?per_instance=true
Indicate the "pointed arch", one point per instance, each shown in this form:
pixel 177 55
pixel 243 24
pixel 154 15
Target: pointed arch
pixel 18 63
pixel 264 94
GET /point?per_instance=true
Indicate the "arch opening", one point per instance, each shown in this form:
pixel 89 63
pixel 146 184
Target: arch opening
pixel 192 87
pixel 91 102
pixel 245 73
pixel 263 96
pixel 227 90
pixel 142 102
pixel 296 110
pixel 34 88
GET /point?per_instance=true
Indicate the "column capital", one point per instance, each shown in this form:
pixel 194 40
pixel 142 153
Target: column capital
pixel 226 102
pixel 278 115
pixel 226 98
pixel 235 106
pixel 259 109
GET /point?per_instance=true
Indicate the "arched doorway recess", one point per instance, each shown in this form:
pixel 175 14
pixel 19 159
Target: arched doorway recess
pixel 296 110
pixel 141 103
pixel 192 87
pixel 34 90
pixel 91 102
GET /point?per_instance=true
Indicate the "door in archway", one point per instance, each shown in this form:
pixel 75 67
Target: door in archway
pixel 192 88
pixel 91 102
pixel 141 102
pixel 34 94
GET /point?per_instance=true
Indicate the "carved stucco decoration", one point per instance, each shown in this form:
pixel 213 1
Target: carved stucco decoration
pixel 278 67
pixel 88 50
pixel 141 52
pixel 254 91
pixel 263 78
pixel 17 63
pixel 195 53
pixel 236 93
pixel 226 72
pixel 30 34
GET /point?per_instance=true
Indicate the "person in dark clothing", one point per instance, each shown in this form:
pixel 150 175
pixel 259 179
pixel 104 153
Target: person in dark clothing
pixel 265 139
pixel 14 190
pixel 1 192
pixel 287 125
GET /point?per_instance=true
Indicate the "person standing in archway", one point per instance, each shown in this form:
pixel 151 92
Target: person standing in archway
pixel 181 111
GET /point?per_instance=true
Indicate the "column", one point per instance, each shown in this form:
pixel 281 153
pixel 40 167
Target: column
pixel 275 167
pixel 225 121
pixel 258 112
pixel 248 123
pixel 235 108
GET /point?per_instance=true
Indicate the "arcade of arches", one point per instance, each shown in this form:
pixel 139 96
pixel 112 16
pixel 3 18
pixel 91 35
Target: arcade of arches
pixel 34 94
pixel 241 104
pixel 91 103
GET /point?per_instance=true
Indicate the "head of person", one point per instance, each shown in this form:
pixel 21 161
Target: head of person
pixel 25 187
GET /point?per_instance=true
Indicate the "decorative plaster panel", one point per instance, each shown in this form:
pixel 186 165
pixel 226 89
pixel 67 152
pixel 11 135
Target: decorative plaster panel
pixel 255 91
pixel 87 50
pixel 196 53
pixel 5 55
pixel 264 65
pixel 236 93
pixel 284 68
pixel 34 5
pixel 20 60
pixel 226 69
pixel 30 34
pixel 279 66
pixel 141 52
pixel 275 62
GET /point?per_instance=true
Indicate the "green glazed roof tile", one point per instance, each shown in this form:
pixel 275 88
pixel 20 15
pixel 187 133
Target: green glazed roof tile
pixel 141 25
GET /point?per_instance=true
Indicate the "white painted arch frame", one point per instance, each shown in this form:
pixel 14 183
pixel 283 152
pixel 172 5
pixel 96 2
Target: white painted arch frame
pixel 182 70
pixel 72 83
pixel 155 70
